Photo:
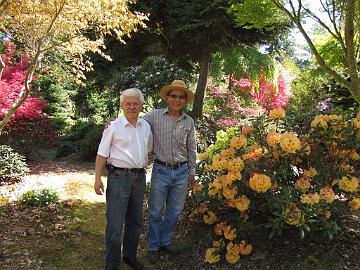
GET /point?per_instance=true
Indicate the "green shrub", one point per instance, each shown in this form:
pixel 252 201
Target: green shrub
pixel 65 148
pixel 40 197
pixel 88 146
pixel 12 165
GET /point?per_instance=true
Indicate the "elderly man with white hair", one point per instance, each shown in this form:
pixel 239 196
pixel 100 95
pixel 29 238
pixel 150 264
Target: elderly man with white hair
pixel 124 149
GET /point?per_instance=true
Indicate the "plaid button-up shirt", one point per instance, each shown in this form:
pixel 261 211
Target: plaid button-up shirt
pixel 174 140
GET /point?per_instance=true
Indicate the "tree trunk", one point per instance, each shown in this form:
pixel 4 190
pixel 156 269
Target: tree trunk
pixel 2 66
pixel 201 86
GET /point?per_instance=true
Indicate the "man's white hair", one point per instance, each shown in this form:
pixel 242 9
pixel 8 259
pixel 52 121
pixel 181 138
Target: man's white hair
pixel 132 92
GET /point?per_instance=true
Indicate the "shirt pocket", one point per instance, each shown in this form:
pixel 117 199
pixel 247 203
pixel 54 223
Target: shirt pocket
pixel 182 134
pixel 122 141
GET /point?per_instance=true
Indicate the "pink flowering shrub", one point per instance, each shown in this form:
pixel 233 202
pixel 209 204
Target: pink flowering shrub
pixel 29 123
pixel 247 99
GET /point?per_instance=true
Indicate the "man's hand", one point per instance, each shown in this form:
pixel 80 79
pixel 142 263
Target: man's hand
pixel 107 124
pixel 99 187
pixel 191 181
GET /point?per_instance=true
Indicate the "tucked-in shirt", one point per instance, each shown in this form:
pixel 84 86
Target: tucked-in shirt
pixel 174 140
pixel 125 145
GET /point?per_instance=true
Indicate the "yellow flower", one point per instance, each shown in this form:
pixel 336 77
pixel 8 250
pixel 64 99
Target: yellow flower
pixel 260 183
pixel 245 248
pixel 242 203
pixel 356 122
pixel 327 194
pixel 227 152
pixel 354 204
pixel 232 253
pixel 238 141
pixel 246 130
pixel 229 233
pixel 228 179
pixel 232 257
pixel 292 214
pixel 324 212
pixel 320 121
pixel 197 187
pixel 237 164
pixel 310 198
pixel 289 142
pixel 347 168
pixel 311 172
pixel 211 257
pixel 207 168
pixel 219 228
pixel 214 187
pixel 349 184
pixel 229 192
pixel 216 243
pixel 273 138
pixel 336 121
pixel 277 113
pixel 203 156
pixel 302 184
pixel 210 217
pixel 354 155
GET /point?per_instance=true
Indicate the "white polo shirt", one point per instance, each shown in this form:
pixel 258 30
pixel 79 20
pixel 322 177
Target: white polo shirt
pixel 126 146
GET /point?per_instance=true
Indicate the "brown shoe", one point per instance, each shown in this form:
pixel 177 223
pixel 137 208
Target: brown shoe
pixel 170 249
pixel 153 256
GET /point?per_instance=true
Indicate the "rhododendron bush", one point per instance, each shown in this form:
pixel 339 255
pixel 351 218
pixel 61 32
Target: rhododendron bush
pixel 268 174
pixel 246 98
pixel 29 122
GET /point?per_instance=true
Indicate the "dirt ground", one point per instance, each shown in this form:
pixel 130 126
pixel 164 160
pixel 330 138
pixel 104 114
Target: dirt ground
pixel 70 235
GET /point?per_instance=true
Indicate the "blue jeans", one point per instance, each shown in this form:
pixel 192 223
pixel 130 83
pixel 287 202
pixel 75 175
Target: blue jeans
pixel 167 197
pixel 124 199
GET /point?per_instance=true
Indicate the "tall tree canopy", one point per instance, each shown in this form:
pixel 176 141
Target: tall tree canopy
pixel 341 22
pixel 191 30
pixel 72 27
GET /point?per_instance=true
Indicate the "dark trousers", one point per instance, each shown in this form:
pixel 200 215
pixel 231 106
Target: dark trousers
pixel 124 199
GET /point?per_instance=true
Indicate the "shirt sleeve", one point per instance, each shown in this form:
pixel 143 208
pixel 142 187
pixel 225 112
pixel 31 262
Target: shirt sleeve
pixel 105 143
pixel 151 142
pixel 191 147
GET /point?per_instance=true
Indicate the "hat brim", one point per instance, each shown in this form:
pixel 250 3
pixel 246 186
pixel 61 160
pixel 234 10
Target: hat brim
pixel 166 89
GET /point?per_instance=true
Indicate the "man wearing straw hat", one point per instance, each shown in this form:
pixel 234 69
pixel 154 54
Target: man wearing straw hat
pixel 173 169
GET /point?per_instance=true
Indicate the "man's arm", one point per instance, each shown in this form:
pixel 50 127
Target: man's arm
pixel 191 148
pixel 99 166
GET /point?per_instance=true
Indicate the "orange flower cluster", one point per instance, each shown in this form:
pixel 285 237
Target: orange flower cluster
pixel 260 183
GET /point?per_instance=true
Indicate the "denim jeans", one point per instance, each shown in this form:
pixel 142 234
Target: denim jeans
pixel 167 197
pixel 124 199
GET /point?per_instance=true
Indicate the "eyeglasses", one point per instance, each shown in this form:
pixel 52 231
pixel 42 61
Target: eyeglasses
pixel 134 104
pixel 176 96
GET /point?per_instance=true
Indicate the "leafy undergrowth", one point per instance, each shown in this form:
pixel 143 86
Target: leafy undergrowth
pixel 70 235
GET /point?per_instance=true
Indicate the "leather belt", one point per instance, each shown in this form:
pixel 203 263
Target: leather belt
pixel 170 165
pixel 134 170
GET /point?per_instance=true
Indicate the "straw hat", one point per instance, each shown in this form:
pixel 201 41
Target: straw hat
pixel 177 85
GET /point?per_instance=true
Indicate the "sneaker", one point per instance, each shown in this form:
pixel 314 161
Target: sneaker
pixel 170 249
pixel 134 263
pixel 153 256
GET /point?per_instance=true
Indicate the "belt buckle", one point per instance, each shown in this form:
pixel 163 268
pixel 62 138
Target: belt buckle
pixel 171 165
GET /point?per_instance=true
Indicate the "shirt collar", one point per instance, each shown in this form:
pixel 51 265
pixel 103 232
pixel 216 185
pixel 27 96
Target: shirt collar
pixel 125 122
pixel 182 114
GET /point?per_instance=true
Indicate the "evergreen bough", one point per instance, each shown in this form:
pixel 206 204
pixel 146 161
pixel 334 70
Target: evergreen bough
pixel 12 164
